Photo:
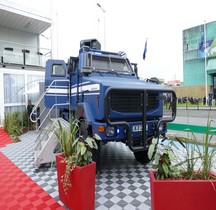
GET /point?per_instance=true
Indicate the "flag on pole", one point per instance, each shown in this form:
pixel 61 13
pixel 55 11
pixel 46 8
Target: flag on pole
pixel 145 50
pixel 201 47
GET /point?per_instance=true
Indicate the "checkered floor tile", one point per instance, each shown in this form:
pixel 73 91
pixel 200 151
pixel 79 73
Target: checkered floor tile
pixel 121 183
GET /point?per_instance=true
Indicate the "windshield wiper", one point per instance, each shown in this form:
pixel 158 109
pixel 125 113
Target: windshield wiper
pixel 111 71
pixel 97 71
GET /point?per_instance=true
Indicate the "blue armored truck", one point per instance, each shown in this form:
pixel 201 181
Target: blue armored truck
pixel 102 90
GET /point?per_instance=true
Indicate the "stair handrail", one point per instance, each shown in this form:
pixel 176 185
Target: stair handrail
pixel 42 134
pixel 34 109
pixel 53 126
pixel 47 115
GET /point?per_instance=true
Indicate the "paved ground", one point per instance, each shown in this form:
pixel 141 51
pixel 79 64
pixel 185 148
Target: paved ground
pixel 194 117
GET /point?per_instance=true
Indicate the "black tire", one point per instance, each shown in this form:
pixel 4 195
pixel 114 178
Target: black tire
pixel 96 154
pixel 83 128
pixel 142 156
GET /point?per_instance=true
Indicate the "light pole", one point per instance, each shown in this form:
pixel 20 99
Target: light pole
pixel 206 76
pixel 104 11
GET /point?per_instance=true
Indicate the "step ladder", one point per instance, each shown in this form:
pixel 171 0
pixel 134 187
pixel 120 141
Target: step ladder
pixel 46 143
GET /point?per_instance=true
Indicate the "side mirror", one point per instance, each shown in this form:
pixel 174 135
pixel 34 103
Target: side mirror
pixel 72 63
pixel 135 68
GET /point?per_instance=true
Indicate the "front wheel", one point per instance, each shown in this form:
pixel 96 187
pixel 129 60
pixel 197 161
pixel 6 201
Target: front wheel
pixel 142 156
pixel 96 154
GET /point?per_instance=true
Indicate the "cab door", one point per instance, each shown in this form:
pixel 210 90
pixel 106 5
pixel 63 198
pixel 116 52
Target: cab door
pixel 57 84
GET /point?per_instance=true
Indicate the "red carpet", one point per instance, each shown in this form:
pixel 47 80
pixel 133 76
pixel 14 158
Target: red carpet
pixel 4 138
pixel 17 190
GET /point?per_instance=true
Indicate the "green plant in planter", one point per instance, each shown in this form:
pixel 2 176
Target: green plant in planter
pixel 163 158
pixel 207 153
pixel 169 166
pixel 76 149
pixel 192 156
pixel 12 125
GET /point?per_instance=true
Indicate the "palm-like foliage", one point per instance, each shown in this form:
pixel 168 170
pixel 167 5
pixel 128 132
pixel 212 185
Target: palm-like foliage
pixel 199 154
pixel 76 148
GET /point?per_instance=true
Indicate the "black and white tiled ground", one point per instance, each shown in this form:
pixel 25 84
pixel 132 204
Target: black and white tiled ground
pixel 121 183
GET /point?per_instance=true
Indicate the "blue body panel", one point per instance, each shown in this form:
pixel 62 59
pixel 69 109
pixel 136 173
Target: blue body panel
pixel 119 82
pixel 58 92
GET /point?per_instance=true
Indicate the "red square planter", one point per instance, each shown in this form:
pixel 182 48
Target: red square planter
pixel 182 194
pixel 81 196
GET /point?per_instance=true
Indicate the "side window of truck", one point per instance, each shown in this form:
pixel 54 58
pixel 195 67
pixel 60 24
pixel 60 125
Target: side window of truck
pixel 58 70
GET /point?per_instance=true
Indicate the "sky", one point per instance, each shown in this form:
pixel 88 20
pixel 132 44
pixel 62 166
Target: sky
pixel 125 26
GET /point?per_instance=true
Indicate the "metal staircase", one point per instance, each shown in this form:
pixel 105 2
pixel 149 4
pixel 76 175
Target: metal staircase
pixel 46 144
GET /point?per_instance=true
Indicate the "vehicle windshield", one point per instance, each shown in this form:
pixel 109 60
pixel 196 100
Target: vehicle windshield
pixel 108 64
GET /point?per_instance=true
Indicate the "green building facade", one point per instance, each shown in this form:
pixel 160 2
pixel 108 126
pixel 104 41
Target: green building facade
pixel 199 59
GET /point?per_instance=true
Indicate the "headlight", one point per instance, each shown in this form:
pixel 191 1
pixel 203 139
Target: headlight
pixel 161 127
pixel 110 131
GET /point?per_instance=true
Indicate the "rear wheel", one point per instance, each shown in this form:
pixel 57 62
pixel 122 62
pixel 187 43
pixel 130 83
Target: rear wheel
pixel 142 156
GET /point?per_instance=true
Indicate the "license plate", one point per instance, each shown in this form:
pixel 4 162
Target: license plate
pixel 138 128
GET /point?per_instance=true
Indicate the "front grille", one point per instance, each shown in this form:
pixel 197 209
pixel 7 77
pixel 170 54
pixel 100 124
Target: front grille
pixel 131 100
